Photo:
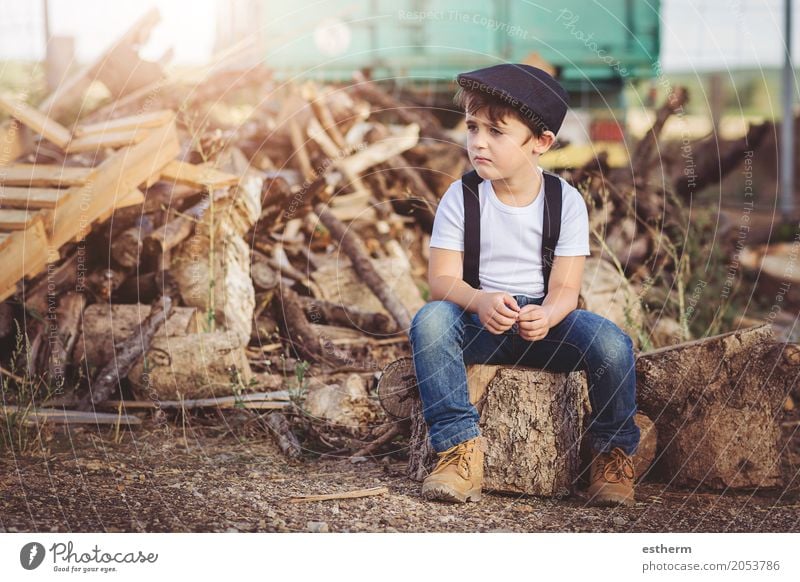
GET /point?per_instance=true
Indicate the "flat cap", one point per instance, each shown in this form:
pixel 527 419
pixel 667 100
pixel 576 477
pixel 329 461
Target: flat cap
pixel 530 90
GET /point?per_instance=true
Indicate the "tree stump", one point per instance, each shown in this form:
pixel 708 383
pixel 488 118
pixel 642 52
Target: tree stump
pixel 533 422
pixel 716 403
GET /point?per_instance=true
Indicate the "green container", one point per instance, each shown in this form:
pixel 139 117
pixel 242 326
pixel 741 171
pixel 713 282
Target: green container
pixel 595 47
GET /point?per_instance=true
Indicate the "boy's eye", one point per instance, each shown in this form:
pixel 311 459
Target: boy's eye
pixel 472 128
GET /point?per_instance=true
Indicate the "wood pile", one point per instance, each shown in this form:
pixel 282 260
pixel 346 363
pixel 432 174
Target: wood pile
pixel 165 252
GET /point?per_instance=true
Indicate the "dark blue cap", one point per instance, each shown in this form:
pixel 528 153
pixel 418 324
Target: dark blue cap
pixel 530 90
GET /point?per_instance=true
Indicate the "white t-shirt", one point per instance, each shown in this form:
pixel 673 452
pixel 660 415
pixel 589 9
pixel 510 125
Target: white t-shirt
pixel 511 236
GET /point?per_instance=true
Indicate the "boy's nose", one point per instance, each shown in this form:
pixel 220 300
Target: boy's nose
pixel 478 142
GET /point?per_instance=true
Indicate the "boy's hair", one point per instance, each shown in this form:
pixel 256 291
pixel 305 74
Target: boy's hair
pixel 496 109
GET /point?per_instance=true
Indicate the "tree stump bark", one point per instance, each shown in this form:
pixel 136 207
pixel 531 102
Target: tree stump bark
pixel 716 402
pixel 212 267
pixel 533 422
pixel 106 325
pixel 201 365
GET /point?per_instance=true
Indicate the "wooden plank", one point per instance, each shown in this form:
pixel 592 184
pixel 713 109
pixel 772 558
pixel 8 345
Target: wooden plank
pixel 24 253
pixel 111 139
pixel 43 175
pixel 379 152
pixel 16 197
pixel 262 400
pixel 37 121
pixel 12 145
pixel 17 219
pixel 6 293
pixel 133 198
pixel 141 121
pixel 380 490
pixel 197 176
pixel 121 172
pixel 56 416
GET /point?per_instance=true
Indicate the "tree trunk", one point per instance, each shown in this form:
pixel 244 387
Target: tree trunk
pixel 127 247
pixel 193 366
pixel 108 378
pixel 355 249
pixel 67 330
pixel 532 421
pixel 106 325
pixel 212 267
pixel 715 402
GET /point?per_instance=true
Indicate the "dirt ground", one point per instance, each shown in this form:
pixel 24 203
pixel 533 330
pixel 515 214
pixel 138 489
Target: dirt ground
pixel 202 479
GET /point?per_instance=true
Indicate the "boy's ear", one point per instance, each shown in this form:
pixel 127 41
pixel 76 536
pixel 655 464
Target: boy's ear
pixel 544 142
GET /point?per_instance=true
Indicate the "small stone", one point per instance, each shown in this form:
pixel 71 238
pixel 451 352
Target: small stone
pixel 355 460
pixel 619 520
pixel 317 527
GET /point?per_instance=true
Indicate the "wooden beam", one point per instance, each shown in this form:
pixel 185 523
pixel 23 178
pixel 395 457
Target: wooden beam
pixel 16 197
pixel 43 175
pixel 122 172
pixel 37 121
pixel 133 198
pixel 57 416
pixel 24 253
pixel 109 139
pixel 141 121
pixel 197 176
pixel 379 152
pixel 17 219
pixel 260 400
pixel 370 491
pixel 12 145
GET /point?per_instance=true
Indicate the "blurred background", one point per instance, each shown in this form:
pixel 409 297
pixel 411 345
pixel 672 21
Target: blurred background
pixel 679 105
pixel 617 58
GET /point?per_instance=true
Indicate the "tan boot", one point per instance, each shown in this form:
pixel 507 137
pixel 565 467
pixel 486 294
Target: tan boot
pixel 458 476
pixel 611 479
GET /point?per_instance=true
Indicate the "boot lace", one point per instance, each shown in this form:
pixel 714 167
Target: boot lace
pixel 614 466
pixel 457 454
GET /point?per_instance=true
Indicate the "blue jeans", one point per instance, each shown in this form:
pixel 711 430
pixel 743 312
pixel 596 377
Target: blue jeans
pixel 445 339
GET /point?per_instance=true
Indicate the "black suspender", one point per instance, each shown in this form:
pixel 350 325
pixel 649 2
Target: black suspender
pixel 551 227
pixel 472 227
pixel 551 224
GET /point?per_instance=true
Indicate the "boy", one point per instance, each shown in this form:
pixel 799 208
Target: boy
pixel 505 300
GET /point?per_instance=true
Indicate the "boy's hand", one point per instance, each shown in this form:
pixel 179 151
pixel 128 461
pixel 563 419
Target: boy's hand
pixel 534 322
pixel 497 311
